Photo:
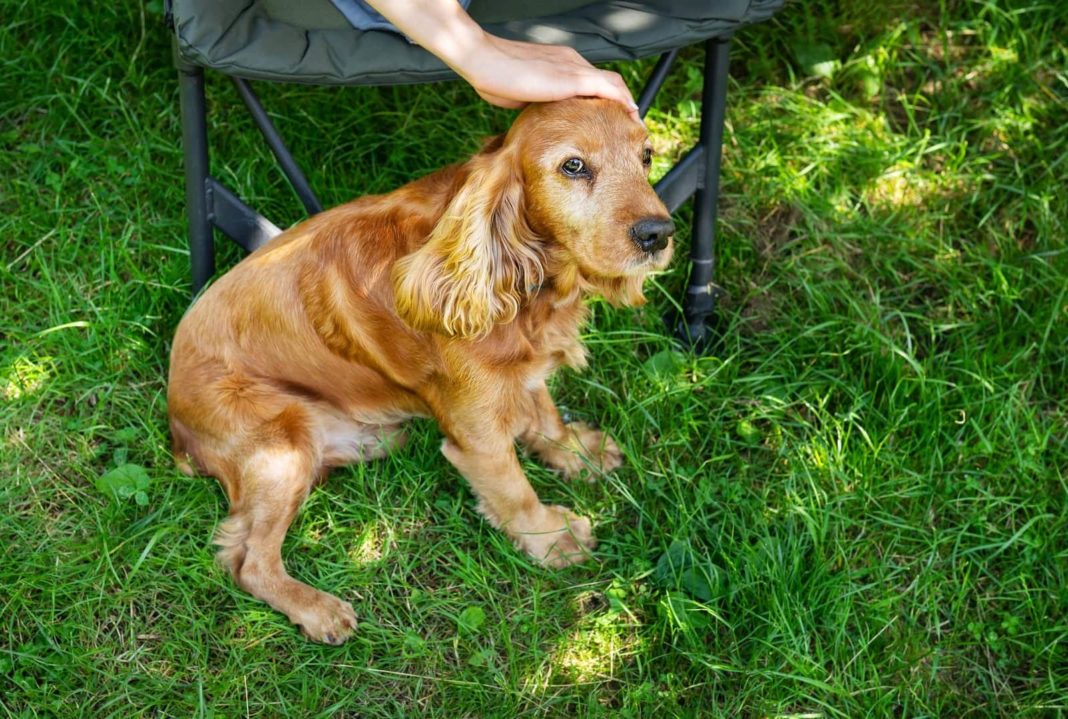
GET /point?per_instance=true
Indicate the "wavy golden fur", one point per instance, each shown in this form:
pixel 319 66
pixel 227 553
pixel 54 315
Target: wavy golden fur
pixel 453 297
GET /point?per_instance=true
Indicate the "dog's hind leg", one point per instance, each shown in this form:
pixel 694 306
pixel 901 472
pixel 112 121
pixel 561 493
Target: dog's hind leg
pixel 276 474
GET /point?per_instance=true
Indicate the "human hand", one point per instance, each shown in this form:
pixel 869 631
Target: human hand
pixel 509 73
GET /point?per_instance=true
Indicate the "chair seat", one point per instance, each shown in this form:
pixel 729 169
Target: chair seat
pixel 311 42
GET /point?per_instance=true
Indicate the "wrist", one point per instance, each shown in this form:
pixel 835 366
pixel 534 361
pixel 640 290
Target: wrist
pixel 458 42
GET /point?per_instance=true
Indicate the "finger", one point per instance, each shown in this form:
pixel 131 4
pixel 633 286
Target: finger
pixel 610 86
pixel 616 79
pixel 625 95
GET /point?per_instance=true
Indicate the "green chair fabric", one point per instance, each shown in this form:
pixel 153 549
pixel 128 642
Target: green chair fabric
pixel 310 41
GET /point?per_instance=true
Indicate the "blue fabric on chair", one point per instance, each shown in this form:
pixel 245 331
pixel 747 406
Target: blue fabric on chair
pixel 364 17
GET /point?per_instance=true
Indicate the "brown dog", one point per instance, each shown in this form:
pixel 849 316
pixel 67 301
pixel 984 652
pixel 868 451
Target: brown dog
pixel 453 297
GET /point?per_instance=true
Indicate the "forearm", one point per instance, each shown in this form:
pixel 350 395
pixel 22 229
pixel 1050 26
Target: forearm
pixel 442 27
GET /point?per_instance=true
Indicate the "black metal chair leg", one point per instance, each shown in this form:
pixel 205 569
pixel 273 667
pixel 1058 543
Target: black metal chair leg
pixel 702 292
pixel 656 81
pixel 289 166
pixel 195 145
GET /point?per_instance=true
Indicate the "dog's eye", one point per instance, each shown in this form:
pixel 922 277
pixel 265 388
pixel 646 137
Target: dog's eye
pixel 573 167
pixel 647 156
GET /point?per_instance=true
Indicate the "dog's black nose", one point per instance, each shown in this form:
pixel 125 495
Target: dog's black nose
pixel 652 233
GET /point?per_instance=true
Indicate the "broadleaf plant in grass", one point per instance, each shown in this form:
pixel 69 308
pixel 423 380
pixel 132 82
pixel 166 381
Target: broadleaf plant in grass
pixel 681 568
pixel 127 481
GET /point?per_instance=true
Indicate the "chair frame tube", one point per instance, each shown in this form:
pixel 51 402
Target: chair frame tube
pixel 701 292
pixel 656 81
pixel 195 148
pixel 285 159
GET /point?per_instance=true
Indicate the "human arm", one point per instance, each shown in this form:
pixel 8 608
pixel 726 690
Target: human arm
pixel 506 73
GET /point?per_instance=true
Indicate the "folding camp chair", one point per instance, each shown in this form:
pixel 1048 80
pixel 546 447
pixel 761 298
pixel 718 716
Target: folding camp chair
pixel 311 42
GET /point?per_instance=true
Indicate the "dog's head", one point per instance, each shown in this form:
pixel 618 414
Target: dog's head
pixel 563 200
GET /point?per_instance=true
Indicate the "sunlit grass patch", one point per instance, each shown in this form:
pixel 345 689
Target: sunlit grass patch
pixel 24 377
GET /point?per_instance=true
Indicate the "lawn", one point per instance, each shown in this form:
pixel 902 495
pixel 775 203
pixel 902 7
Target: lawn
pixel 853 506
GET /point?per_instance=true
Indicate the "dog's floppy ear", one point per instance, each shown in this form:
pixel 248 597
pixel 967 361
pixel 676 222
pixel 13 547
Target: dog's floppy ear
pixel 492 143
pixel 480 260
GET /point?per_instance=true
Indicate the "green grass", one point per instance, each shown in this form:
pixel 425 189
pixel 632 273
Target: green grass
pixel 863 486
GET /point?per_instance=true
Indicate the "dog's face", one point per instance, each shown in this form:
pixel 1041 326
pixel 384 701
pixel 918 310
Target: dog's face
pixel 563 200
pixel 585 167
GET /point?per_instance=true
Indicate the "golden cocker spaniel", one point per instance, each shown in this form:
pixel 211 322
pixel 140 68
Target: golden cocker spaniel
pixel 453 297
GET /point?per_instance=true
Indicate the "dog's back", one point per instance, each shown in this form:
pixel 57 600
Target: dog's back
pixel 305 318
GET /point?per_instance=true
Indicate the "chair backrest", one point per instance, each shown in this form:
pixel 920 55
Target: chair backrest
pixel 308 14
pixel 310 41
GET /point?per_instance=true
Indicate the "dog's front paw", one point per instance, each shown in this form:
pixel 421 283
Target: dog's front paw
pixel 592 449
pixel 325 619
pixel 560 538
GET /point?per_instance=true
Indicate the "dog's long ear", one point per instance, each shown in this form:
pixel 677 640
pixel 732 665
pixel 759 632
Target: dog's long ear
pixel 480 260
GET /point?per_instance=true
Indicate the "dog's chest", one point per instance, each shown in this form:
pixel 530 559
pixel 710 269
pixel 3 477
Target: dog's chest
pixel 553 337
